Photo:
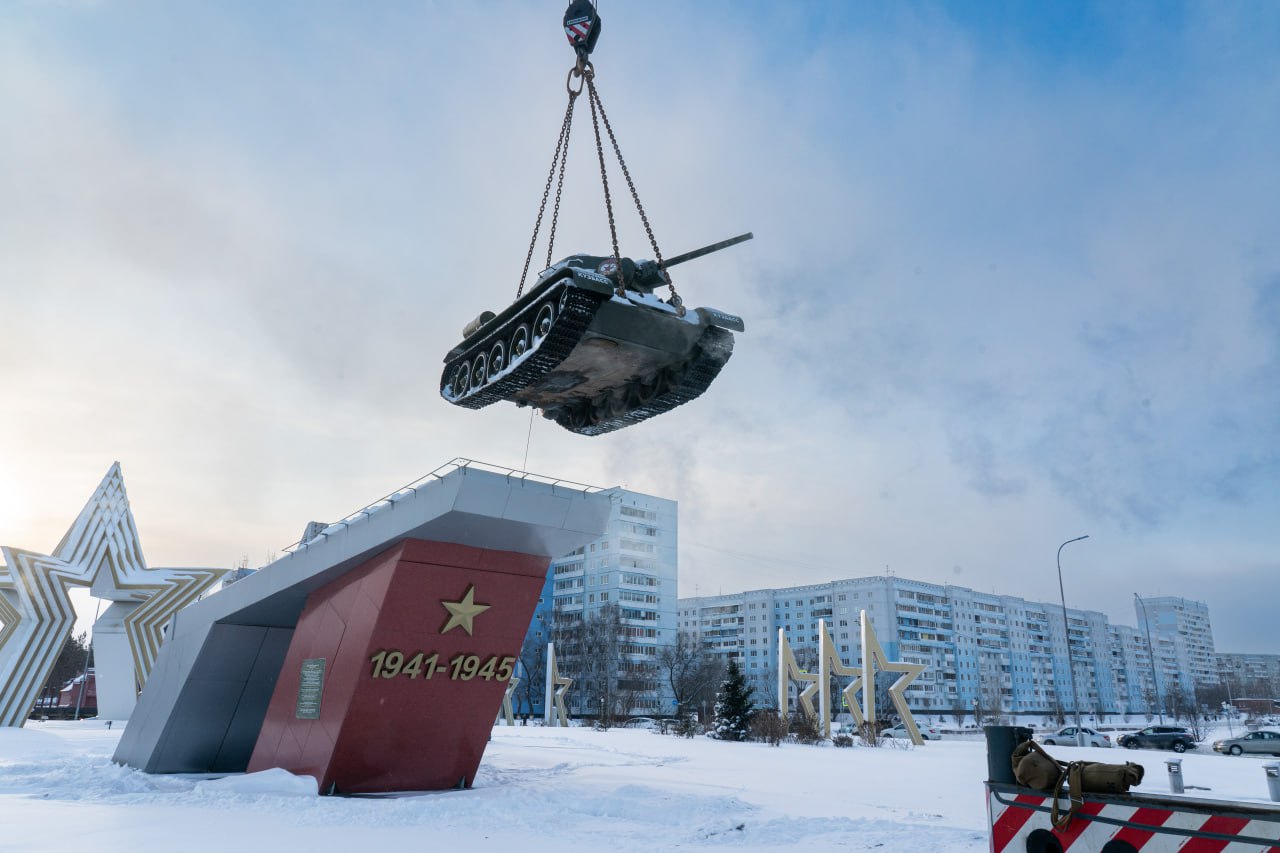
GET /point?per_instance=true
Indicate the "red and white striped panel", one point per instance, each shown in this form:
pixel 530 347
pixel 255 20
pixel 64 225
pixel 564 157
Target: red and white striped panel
pixel 1011 825
pixel 577 30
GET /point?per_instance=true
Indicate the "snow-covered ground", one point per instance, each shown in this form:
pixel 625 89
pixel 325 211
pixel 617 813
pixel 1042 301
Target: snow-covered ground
pixel 548 789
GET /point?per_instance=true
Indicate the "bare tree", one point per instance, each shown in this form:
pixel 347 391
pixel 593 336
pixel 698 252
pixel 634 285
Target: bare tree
pixel 1257 688
pixel 1183 708
pixel 886 711
pixel 806 657
pixel 690 670
pixel 1211 695
pixel 1149 700
pixel 533 660
pixel 765 689
pixel 990 704
pixel 637 685
pixel 595 663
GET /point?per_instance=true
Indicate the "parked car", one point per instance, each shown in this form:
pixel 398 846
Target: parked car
pixel 641 723
pixel 1262 741
pixel 1159 737
pixel 900 730
pixel 1067 737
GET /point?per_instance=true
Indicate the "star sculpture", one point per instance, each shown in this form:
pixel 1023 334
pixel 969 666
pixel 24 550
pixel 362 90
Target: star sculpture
pixel 507 711
pixel 830 664
pixel 463 613
pixel 554 712
pixel 100 551
pixel 789 671
pixel 873 659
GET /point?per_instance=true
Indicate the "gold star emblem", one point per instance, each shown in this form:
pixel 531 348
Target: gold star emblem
pixel 463 613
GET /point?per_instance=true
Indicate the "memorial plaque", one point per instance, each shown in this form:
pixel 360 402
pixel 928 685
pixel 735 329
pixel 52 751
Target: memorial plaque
pixel 310 686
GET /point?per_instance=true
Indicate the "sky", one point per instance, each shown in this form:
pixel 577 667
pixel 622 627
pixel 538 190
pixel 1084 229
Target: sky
pixel 1014 278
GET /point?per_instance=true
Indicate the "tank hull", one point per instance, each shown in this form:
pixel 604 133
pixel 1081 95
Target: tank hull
pixel 589 359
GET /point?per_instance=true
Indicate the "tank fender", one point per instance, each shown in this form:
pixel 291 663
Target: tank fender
pixel 592 280
pixel 720 318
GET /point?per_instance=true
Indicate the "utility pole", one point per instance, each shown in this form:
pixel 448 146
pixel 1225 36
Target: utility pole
pixel 1151 654
pixel 1066 631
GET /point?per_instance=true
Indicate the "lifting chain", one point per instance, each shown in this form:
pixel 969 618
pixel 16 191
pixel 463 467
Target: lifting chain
pixel 593 98
pixel 584 73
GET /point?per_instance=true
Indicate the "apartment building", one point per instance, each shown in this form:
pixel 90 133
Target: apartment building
pixel 611 605
pixel 1183 638
pixel 1249 674
pixel 983 652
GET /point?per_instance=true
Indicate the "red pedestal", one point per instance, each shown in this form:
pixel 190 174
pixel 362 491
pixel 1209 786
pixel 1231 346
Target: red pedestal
pixel 408 696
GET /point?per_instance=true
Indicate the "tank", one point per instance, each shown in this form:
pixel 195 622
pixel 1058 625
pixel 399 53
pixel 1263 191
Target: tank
pixel 592 357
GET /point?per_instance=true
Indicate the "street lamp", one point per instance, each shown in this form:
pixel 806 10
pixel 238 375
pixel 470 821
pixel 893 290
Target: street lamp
pixel 1066 631
pixel 1151 654
pixel 1231 709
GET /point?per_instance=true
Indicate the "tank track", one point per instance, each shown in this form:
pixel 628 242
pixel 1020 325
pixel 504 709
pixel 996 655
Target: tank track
pixel 569 325
pixel 675 387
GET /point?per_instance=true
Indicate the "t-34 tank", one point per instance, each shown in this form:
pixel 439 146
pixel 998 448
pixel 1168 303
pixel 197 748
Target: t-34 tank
pixel 592 357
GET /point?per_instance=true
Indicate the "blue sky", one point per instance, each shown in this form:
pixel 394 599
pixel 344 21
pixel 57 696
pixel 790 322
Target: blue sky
pixel 1015 277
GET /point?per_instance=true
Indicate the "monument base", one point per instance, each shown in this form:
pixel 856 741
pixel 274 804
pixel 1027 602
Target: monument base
pixel 396 671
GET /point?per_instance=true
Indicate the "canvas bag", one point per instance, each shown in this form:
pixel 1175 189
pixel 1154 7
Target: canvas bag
pixel 1035 768
pixel 1099 778
pixel 1092 777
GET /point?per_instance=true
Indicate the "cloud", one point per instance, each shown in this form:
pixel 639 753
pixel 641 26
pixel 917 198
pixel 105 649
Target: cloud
pixel 1003 288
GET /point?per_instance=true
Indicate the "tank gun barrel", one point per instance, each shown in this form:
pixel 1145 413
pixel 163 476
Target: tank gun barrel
pixel 706 250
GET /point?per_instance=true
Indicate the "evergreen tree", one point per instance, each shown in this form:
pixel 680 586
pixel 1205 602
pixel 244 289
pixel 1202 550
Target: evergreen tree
pixel 70 665
pixel 733 708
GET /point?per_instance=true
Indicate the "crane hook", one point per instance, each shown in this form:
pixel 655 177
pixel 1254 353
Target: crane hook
pixel 582 28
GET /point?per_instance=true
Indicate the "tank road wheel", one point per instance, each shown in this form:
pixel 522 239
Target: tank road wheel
pixel 479 372
pixel 641 391
pixel 497 359
pixel 543 322
pixel 609 405
pixel 575 416
pixel 521 340
pixel 461 380
pixel 1236 750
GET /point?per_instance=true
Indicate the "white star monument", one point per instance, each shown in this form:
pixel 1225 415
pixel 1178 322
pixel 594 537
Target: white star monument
pixel 101 551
